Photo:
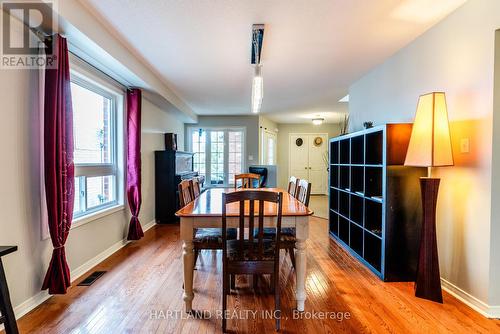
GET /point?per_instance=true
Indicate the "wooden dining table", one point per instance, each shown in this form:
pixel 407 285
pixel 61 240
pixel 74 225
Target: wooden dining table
pixel 206 212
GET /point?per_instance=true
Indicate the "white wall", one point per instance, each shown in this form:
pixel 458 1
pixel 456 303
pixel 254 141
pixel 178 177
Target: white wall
pixel 284 131
pixel 456 56
pixel 19 198
pixel 155 123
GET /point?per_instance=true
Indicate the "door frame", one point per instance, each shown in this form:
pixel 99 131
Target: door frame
pixel 290 152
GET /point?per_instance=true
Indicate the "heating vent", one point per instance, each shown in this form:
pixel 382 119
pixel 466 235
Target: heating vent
pixel 92 278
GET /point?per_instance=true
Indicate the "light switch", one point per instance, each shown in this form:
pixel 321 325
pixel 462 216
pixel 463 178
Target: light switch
pixel 250 157
pixel 464 145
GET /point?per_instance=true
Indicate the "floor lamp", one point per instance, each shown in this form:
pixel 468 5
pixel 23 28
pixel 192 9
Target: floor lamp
pixel 430 146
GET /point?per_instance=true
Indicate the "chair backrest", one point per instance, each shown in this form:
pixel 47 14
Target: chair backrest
pixel 247 180
pixel 304 192
pixel 195 183
pixel 292 185
pixel 264 199
pixel 185 192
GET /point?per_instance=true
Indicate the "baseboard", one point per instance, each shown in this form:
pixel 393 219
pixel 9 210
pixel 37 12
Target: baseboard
pixel 471 301
pixel 28 305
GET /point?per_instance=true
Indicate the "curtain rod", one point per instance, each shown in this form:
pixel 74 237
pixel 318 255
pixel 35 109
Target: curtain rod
pixel 42 36
pixel 117 81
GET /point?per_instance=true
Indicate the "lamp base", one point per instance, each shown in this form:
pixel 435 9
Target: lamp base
pixel 428 281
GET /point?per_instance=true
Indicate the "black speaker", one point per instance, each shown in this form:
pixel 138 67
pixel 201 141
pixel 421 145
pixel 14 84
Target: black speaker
pixel 171 141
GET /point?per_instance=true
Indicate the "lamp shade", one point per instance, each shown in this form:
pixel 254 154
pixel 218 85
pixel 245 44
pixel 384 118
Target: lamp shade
pixel 430 143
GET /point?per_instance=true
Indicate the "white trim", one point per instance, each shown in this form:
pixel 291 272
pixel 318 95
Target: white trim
pixel 31 303
pixel 471 301
pixel 77 222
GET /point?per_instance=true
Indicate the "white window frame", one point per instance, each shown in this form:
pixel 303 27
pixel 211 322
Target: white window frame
pixel 208 152
pixel 90 78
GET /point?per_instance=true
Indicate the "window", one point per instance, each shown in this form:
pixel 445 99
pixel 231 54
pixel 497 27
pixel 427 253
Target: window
pixel 218 154
pixel 199 141
pixel 95 146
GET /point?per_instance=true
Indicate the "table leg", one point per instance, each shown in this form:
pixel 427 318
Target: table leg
pixel 188 261
pixel 6 306
pixel 302 233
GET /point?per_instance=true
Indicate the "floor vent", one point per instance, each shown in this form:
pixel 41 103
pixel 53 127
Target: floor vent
pixel 92 278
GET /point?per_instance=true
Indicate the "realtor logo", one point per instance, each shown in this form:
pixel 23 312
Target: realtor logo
pixel 26 30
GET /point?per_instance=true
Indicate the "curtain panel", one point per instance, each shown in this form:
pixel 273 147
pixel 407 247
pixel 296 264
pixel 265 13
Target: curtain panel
pixel 134 100
pixel 58 165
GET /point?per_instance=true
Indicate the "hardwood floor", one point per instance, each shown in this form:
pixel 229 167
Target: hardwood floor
pixel 144 283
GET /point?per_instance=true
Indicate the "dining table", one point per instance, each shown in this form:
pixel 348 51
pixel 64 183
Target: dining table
pixel 206 212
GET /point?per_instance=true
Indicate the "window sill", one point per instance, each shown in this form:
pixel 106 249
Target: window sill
pixel 96 215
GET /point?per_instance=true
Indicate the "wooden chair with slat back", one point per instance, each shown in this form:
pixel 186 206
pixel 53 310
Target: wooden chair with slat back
pixel 292 185
pixel 288 240
pixel 203 238
pixel 247 180
pixel 185 193
pixel 253 255
pixel 195 183
pixel 304 192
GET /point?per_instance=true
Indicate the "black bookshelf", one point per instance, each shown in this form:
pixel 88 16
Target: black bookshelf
pixel 375 206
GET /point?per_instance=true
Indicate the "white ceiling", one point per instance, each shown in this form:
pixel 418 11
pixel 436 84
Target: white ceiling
pixel 313 49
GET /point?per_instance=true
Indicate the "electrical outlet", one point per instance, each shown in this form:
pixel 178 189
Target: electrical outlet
pixel 464 145
pixel 250 157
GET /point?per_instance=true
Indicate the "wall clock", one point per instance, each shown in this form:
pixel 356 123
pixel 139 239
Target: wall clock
pixel 299 142
pixel 318 141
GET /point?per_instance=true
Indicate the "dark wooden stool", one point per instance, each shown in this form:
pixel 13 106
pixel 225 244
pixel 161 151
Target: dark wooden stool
pixel 7 316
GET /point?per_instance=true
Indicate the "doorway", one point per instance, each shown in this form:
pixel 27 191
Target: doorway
pixel 309 159
pixel 269 144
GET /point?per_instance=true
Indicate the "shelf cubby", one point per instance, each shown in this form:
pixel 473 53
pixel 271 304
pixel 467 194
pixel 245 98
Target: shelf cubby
pixel 357 209
pixel 334 200
pixel 356 239
pixel 334 152
pixel 358 150
pixel 344 177
pixel 345 151
pixel 374 148
pixel 373 182
pixel 334 223
pixel 334 176
pixel 373 217
pixel 375 209
pixel 344 230
pixel 344 204
pixel 373 251
pixel 357 179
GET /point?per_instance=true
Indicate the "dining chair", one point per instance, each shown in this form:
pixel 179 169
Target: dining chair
pixel 292 185
pixel 185 193
pixel 304 192
pixel 203 238
pixel 288 240
pixel 247 180
pixel 196 187
pixel 251 255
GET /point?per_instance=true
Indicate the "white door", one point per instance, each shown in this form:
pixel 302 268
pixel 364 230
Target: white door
pixel 269 151
pixel 318 175
pixel 299 156
pixel 307 160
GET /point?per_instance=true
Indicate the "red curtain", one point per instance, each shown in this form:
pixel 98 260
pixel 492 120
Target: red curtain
pixel 134 161
pixel 59 167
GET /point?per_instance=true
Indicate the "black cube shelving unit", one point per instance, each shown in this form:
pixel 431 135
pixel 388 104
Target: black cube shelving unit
pixel 375 206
